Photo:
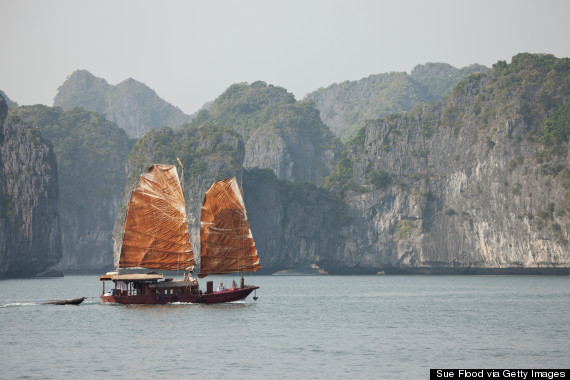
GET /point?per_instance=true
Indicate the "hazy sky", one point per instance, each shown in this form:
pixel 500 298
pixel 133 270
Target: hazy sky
pixel 189 51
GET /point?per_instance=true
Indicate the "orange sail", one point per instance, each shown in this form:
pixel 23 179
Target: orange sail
pixel 227 245
pixel 155 230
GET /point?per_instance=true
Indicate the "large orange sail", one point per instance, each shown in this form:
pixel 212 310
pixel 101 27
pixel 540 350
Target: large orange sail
pixel 227 245
pixel 155 230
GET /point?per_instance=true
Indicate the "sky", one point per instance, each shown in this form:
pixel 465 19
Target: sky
pixel 190 52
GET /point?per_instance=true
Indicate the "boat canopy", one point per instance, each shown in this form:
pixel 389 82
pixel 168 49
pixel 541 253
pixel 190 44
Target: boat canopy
pixel 131 277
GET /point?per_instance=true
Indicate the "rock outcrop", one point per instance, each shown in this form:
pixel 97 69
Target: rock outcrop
pixel 30 240
pixel 477 183
pixel 132 105
pixel 480 181
pixel 90 152
pixel 280 133
pixel 293 225
pixel 441 78
pixel 3 108
pixel 10 103
pixel 344 107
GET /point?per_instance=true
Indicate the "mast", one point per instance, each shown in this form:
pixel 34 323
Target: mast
pixel 242 281
pixel 182 188
pixel 181 175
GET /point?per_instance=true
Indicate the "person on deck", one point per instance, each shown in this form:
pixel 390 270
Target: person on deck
pixel 221 287
pixel 191 277
pixel 234 285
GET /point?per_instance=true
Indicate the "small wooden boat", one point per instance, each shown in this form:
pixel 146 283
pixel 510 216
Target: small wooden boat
pixel 75 301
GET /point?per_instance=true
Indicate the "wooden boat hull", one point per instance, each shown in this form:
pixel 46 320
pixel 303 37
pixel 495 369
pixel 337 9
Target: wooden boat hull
pixel 206 298
pixel 75 301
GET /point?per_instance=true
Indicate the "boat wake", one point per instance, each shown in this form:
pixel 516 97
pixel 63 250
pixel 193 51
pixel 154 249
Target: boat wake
pixel 183 303
pixel 15 304
pixel 92 301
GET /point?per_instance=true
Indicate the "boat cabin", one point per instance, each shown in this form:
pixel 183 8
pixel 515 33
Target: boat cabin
pixel 147 284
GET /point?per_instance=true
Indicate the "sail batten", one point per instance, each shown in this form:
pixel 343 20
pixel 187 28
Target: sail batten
pixel 226 240
pixel 156 230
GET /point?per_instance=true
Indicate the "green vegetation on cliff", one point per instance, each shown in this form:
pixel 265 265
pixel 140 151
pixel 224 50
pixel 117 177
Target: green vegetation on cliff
pixel 543 82
pixel 90 150
pixel 132 105
pixel 279 133
pixel 341 180
pixel 207 150
pixel 440 78
pixel 534 90
pixel 244 107
pixel 480 178
pixel 531 95
pixel 30 239
pixel 346 106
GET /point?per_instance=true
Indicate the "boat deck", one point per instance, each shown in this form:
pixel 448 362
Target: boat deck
pixel 164 298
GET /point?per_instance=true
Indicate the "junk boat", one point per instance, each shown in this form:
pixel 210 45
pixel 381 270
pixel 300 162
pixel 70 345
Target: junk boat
pixel 156 237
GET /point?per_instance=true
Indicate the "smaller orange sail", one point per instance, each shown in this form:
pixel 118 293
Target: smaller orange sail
pixel 226 241
pixel 156 230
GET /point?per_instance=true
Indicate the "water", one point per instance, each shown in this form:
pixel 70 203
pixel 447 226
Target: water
pixel 331 327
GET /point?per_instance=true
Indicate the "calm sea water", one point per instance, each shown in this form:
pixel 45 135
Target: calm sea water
pixel 300 327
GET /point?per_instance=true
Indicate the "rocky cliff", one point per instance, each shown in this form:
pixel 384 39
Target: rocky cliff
pixel 9 102
pixel 441 78
pixel 293 224
pixel 30 240
pixel 476 183
pixel 3 108
pixel 132 105
pixel 90 152
pixel 479 180
pixel 344 107
pixel 280 133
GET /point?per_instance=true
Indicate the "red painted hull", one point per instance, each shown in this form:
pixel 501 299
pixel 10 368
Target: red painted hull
pixel 207 298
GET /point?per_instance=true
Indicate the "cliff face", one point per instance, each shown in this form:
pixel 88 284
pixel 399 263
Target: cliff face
pixel 90 152
pixel 480 180
pixel 3 108
pixel 345 106
pixel 478 183
pixel 292 148
pixel 441 78
pixel 292 224
pixel 130 104
pixel 280 133
pixel 30 240
pixel 10 103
